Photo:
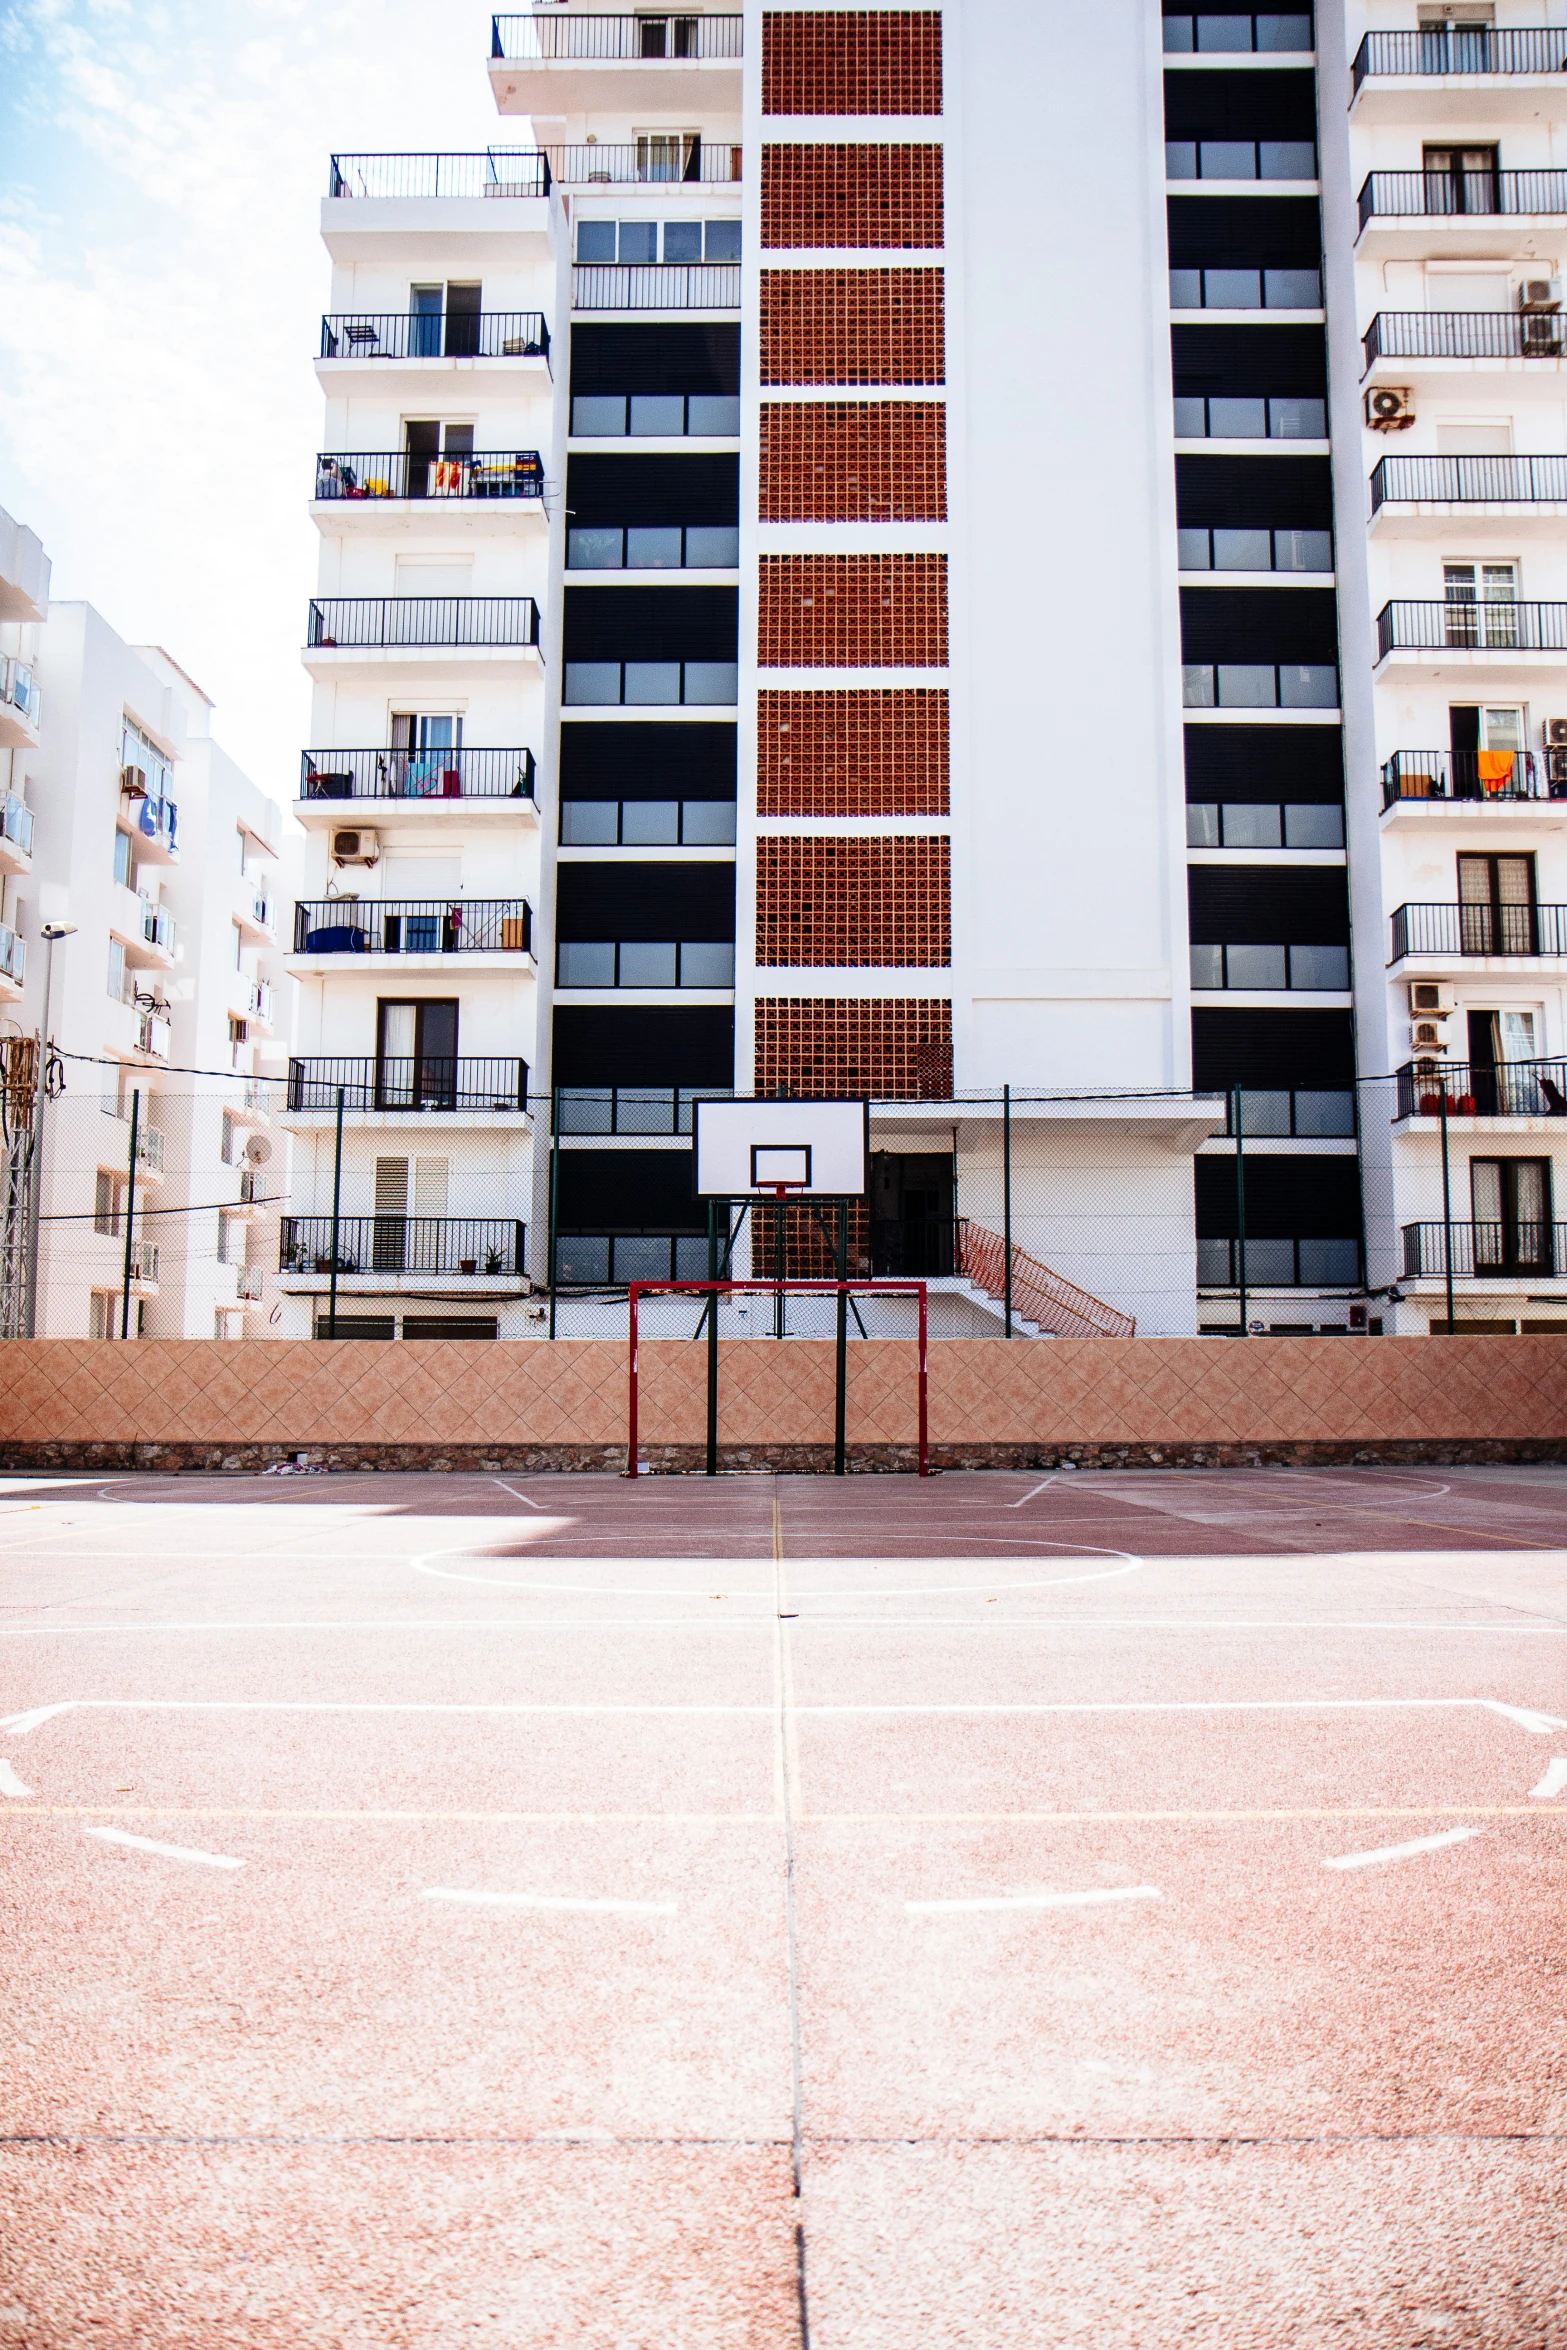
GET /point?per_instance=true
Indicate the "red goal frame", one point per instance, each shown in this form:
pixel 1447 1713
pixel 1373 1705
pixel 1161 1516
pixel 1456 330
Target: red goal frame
pixel 918 1290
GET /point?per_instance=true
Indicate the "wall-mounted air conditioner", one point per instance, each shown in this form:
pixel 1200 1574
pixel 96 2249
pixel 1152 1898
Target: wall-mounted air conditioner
pixel 1390 408
pixel 362 847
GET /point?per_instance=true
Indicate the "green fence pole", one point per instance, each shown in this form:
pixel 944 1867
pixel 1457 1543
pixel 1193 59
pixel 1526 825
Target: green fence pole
pixel 1447 1208
pixel 337 1216
pixel 1006 1203
pixel 130 1218
pixel 1240 1206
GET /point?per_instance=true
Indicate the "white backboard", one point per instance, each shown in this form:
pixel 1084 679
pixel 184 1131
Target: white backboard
pixel 745 1149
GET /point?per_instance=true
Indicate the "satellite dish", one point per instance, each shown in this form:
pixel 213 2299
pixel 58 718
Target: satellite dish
pixel 258 1150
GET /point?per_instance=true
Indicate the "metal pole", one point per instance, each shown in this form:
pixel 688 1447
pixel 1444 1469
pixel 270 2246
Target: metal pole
pixel 712 1337
pixel 1006 1200
pixel 924 1380
pixel 130 1217
pixel 841 1401
pixel 1240 1205
pixel 554 1194
pixel 778 1267
pixel 35 1166
pixel 1447 1208
pixel 337 1216
pixel 631 1371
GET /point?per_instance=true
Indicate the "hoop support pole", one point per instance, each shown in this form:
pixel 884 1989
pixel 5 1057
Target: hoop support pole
pixel 632 1295
pixel 924 1383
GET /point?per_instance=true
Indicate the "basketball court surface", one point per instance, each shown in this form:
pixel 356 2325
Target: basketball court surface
pixel 785 1913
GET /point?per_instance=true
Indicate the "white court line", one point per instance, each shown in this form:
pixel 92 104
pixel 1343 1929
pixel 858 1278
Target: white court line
pixel 211 1860
pixel 1367 1860
pixel 1034 1901
pixel 11 1785
pixel 421 1566
pixel 563 1902
pixel 516 1496
pixel 1554 1781
pixel 1039 1488
pixel 1530 1628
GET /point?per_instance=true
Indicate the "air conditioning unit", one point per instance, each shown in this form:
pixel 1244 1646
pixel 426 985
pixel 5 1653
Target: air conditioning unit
pixel 133 782
pixel 1430 1000
pixel 356 848
pixel 1428 1036
pixel 1390 409
pixel 1556 734
pixel 1540 295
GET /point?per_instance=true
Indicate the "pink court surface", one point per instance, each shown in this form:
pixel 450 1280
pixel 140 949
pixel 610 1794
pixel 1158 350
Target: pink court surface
pixel 785 1914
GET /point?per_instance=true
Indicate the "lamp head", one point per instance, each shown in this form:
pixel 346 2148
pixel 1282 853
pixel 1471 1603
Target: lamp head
pixel 54 930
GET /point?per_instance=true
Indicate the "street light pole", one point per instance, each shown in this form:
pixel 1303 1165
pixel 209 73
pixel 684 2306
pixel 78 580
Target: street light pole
pixel 35 1171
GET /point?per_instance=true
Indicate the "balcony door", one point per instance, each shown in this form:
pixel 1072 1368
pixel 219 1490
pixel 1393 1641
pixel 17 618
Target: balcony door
pixel 421 765
pixel 1481 602
pixel 1461 179
pixel 1496 906
pixel 1512 1215
pixel 416 1055
pixel 1487 745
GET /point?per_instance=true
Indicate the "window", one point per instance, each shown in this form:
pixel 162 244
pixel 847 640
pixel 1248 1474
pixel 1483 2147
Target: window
pixel 117 971
pixel 231 1240
pixel 1482 604
pixel 122 860
pixel 668 155
pixel 228 1139
pixel 1496 914
pixel 636 243
pixel 140 754
pixel 102 1308
pixel 238 943
pixel 106 1205
pixel 1461 179
pixel 1511 1200
pixel 416 1055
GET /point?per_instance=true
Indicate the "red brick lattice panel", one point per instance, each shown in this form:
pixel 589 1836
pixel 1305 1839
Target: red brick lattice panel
pixel 852 754
pixel 852 612
pixel 1040 1296
pixel 853 461
pixel 853 326
pixel 891 1048
pixel 852 61
pixel 842 903
pixel 852 195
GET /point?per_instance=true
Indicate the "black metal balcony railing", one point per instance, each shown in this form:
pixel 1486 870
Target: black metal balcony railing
pixel 1216 34
pixel 647 824
pixel 1240 159
pixel 433 1081
pixel 1479 930
pixel 416 775
pixel 534 39
pixel 1252 685
pixel 643 962
pixel 494 473
pixel 1268 1112
pixel 656 285
pixel 358 621
pixel 499 171
pixel 496 1246
pixel 663 159
pixel 1321 969
pixel 1494 1249
pixel 1405 195
pixel 1245 289
pixel 697 546
pixel 1508 1089
pixel 1470 775
pixel 653 683
pixel 472 334
pixel 1284 419
pixel 1469 481
pixel 631 1109
pixel 608 1260
pixel 1433 627
pixel 1279 1264
pixel 1255 550
pixel 1465 334
pixel 1264 824
pixel 1445 49
pixel 413 926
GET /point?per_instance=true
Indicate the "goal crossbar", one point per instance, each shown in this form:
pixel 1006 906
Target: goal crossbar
pixel 841 1290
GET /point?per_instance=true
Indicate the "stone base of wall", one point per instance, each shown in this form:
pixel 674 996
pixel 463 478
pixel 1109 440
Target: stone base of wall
pixel 689 1460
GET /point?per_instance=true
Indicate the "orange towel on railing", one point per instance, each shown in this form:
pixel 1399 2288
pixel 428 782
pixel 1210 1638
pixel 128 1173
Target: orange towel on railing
pixel 1496 769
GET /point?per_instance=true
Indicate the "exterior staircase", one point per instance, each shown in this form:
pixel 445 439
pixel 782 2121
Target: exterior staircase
pixel 1055 1307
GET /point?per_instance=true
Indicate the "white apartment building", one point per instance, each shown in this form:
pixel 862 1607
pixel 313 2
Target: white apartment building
pixel 135 841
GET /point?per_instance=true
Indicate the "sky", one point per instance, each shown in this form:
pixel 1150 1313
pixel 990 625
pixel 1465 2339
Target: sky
pixel 162 281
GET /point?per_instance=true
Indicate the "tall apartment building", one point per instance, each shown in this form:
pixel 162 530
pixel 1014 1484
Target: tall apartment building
pixel 132 836
pixel 972 655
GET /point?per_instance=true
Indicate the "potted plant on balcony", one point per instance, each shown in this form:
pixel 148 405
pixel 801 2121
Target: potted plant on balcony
pixel 492 1260
pixel 467 1264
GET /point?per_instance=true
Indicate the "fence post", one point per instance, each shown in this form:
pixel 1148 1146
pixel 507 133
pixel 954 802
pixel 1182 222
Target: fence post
pixel 1447 1208
pixel 712 1338
pixel 130 1216
pixel 1240 1205
pixel 1006 1202
pixel 337 1217
pixel 554 1217
pixel 841 1382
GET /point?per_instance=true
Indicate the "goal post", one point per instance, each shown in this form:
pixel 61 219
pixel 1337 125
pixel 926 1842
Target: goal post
pixel 713 1291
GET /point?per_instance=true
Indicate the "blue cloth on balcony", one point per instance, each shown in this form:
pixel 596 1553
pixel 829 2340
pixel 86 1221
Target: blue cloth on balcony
pixel 336 939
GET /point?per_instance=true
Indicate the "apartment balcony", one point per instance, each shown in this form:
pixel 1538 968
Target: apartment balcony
pixel 1269 685
pixel 16 835
pixel 1497 1251
pixel 1518 1090
pixel 1476 779
pixel 144 1266
pixel 20 704
pixel 1497 636
pixel 13 964
pixel 24 573
pixel 1421 495
pixel 452 785
pixel 652 684
pixel 157 821
pixel 419 179
pixel 660 159
pixel 1282 419
pixel 610 416
pixel 256 914
pixel 1267 35
pixel 694 546
pixel 1270 969
pixel 572 64
pixel 145 930
pixel 150 1153
pixel 708 964
pixel 1479 340
pixel 459 635
pixel 364 492
pixel 631 1109
pixel 1278 1264
pixel 258 1003
pixel 1462 934
pixel 1478 211
pixel 404 927
pixel 436 1085
pixel 390 344
pixel 1246 289
pixel 1458 75
pixel 656 285
pixel 460 1255
pixel 647 824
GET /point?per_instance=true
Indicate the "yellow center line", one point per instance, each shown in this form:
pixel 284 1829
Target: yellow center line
pixel 769 1819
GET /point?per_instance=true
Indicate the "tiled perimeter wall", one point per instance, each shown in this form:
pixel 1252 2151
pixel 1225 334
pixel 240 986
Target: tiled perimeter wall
pixel 200 1402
